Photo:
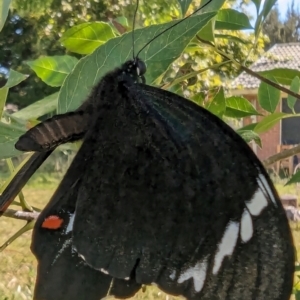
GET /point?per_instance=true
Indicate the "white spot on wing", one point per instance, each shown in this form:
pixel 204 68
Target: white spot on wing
pixel 173 275
pixel 81 256
pixel 246 226
pixel 71 224
pixel 226 245
pixel 198 273
pixel 104 271
pixel 61 250
pixel 265 186
pixel 257 203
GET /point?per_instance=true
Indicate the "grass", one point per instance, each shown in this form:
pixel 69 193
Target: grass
pixel 18 265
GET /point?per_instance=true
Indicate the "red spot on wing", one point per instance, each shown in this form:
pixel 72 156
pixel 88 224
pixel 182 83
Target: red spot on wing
pixel 52 222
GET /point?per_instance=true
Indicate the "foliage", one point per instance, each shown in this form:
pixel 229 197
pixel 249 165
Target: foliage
pixel 283 31
pixel 198 59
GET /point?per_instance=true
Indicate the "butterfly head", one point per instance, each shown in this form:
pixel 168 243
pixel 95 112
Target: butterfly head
pixel 135 69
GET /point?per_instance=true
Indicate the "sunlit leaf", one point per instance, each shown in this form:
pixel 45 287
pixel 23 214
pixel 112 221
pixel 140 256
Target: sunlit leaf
pixel 295 86
pixel 239 107
pixel 268 96
pixel 269 121
pixel 53 69
pixel 230 19
pixel 86 37
pixel 4 8
pixel 281 75
pixel 217 105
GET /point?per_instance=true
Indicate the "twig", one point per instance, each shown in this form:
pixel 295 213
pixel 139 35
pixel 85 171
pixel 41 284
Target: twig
pixel 282 155
pixel 21 215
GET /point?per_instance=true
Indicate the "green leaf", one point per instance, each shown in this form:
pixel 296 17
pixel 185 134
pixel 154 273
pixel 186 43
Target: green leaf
pixel 15 78
pixel 184 5
pixel 232 38
pixel 38 108
pixel 217 106
pixel 158 56
pixel 268 4
pixel 3 96
pixel 230 19
pixel 85 38
pixel 8 137
pixel 268 96
pixel 268 122
pixel 295 86
pixel 53 69
pixel 281 75
pixel 294 179
pixel 198 98
pixel 207 32
pixel 4 8
pixel 122 20
pixel 214 5
pixel 239 107
pixel 119 25
pixel 249 127
pixel 249 135
pixel 257 5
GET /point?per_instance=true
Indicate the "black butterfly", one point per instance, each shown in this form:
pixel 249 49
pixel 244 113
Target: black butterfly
pixel 161 192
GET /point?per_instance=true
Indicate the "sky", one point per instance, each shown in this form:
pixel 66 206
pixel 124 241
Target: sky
pixel 282 5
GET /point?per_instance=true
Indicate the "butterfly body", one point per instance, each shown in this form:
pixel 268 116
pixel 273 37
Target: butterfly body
pixel 163 192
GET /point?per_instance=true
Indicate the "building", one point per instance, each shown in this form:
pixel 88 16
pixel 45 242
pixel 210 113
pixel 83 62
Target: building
pixel 286 133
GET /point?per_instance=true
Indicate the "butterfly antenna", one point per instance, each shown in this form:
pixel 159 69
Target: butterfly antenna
pixel 182 20
pixel 133 26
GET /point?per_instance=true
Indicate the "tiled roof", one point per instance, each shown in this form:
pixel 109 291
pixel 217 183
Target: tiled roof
pixel 279 56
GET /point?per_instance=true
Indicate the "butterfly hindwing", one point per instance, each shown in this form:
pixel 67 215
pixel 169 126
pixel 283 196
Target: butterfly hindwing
pixel 61 273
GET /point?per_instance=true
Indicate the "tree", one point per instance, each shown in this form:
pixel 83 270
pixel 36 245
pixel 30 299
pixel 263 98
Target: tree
pixel 283 31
